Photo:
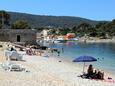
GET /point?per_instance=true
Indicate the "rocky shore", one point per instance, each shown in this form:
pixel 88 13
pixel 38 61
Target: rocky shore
pixel 95 40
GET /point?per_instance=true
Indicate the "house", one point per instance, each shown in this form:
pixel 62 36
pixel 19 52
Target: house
pixel 18 35
pixel 70 35
pixel 45 34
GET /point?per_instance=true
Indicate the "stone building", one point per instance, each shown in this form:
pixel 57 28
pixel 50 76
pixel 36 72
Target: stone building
pixel 18 35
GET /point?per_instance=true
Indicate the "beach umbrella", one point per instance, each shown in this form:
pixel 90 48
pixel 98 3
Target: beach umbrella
pixel 84 59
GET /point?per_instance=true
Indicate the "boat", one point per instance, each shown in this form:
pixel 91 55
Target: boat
pixel 59 40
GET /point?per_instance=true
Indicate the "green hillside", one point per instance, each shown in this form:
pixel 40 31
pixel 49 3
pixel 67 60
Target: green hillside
pixel 53 21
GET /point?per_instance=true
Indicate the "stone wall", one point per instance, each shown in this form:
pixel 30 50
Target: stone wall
pixel 4 36
pixel 26 35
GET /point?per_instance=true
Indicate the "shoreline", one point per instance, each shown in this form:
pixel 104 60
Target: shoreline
pixel 95 40
pixel 80 65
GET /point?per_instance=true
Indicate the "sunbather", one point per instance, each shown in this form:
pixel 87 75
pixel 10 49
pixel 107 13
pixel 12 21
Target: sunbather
pixel 91 74
pixel 100 75
pixel 90 71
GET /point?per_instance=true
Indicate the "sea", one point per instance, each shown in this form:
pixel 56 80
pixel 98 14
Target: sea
pixel 103 52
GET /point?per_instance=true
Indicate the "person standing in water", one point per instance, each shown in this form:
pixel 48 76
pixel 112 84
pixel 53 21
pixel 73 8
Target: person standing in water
pixel 58 52
pixel 62 49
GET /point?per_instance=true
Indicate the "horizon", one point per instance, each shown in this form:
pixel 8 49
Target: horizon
pixel 94 10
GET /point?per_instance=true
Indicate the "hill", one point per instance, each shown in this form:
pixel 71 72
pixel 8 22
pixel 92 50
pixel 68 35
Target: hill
pixel 53 21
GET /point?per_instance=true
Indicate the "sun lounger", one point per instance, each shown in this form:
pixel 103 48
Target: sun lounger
pixel 7 54
pixel 16 56
pixel 13 55
pixel 10 66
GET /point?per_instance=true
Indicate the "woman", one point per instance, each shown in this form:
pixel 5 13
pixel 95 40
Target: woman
pixel 90 71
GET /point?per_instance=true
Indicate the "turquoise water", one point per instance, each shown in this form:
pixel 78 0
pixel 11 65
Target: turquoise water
pixel 105 53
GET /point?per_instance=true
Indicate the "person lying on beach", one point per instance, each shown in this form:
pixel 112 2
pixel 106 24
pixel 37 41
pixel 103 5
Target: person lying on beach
pixel 100 75
pixel 91 74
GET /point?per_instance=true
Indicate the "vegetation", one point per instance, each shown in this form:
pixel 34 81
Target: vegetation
pixel 20 24
pixel 38 21
pixel 59 25
pixel 101 30
pixel 4 19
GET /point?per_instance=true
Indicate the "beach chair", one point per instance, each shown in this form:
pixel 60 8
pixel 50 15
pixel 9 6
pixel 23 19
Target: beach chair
pixel 16 67
pixel 7 54
pixel 15 56
pixel 10 66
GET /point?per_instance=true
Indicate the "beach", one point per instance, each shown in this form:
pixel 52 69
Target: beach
pixel 47 71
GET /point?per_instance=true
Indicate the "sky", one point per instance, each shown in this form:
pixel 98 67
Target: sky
pixel 90 9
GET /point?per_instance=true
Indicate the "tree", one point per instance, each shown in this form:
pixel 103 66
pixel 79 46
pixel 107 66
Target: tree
pixel 63 31
pixel 109 28
pixel 20 24
pixel 52 31
pixel 83 28
pixel 74 29
pixel 100 25
pixel 4 18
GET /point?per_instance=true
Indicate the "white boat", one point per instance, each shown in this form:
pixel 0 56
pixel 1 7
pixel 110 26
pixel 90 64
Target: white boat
pixel 58 40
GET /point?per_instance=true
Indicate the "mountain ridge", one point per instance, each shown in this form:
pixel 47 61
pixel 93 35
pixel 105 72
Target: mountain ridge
pixel 36 21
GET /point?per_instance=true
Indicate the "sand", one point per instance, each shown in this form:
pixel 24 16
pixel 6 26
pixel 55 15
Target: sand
pixel 42 71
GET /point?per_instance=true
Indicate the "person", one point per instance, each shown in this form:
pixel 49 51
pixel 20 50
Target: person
pixel 90 71
pixel 58 53
pixel 29 51
pixel 62 49
pixel 94 76
pixel 12 48
pixel 100 75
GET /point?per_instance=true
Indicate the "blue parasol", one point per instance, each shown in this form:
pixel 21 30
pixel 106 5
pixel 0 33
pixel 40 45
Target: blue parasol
pixel 84 59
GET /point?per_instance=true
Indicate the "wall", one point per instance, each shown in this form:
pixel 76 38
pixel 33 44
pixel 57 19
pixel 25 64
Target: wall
pixel 26 35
